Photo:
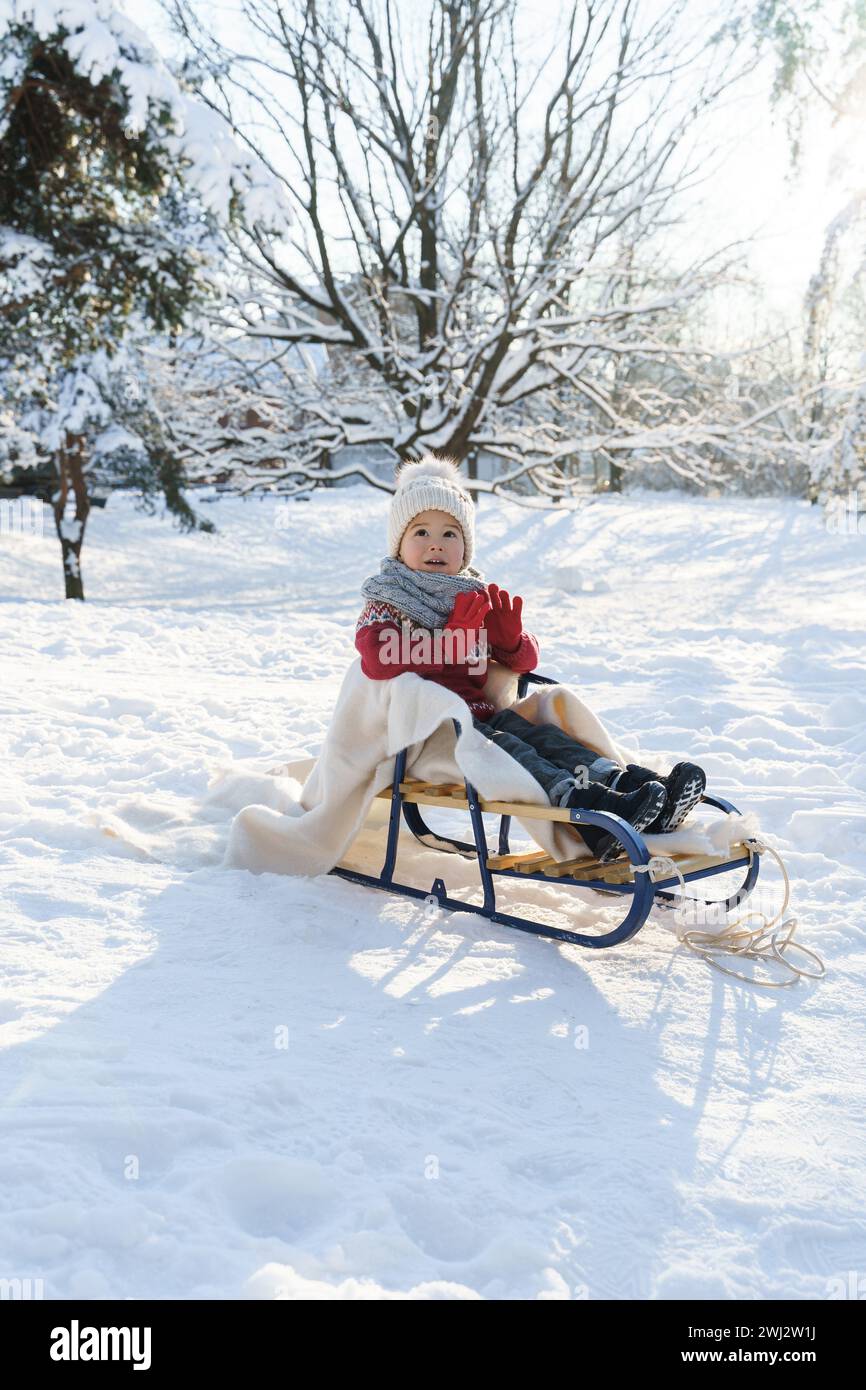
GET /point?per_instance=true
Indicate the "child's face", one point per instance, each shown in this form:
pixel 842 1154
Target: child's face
pixel 433 542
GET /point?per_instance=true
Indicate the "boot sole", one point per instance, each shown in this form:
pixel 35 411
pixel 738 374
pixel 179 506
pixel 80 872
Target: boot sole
pixel 687 797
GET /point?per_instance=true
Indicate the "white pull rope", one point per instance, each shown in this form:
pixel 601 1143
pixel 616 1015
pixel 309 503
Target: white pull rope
pixel 752 943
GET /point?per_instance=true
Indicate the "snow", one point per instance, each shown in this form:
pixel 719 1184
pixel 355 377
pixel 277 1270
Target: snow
pixel 27 260
pixel 115 438
pixel 70 529
pixel 218 1085
pixel 80 402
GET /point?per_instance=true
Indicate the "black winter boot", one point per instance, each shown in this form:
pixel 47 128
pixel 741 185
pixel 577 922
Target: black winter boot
pixel 684 786
pixel 638 807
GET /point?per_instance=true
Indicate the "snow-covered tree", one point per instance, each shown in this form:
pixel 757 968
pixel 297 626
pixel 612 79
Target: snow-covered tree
pixel 211 409
pixel 466 201
pixel 114 184
pixel 821 72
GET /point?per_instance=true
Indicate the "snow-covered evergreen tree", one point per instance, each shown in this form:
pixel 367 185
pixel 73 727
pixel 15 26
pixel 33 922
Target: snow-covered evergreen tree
pixel 114 185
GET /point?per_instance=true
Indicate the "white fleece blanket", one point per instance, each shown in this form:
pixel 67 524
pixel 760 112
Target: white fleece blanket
pixel 317 807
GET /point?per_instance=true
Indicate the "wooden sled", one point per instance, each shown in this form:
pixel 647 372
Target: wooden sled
pixel 630 877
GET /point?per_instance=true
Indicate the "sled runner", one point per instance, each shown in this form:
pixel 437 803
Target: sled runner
pixel 637 877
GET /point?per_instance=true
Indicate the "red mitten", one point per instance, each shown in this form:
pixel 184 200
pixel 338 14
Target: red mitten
pixel 504 622
pixel 469 611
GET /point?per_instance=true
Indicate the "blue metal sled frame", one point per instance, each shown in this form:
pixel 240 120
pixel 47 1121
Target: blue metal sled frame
pixel 640 888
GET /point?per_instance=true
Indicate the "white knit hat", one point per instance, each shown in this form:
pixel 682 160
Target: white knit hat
pixel 431 483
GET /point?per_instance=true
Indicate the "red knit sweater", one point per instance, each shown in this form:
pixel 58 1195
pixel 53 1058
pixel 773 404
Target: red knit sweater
pixel 379 616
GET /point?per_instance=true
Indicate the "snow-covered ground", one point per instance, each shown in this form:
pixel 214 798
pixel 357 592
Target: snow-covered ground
pixel 220 1085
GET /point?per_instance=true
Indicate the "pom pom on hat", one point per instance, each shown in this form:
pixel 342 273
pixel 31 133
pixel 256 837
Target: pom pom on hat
pixel 428 485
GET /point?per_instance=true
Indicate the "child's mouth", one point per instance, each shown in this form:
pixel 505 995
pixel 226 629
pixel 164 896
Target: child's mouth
pixel 434 562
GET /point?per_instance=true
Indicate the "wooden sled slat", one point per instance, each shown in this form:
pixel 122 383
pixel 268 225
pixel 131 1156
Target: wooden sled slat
pixel 412 789
pixel 510 861
pixel 542 866
pixel 524 810
pixel 454 793
pixel 620 871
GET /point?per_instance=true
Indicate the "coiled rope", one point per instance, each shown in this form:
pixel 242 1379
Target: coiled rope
pixel 752 943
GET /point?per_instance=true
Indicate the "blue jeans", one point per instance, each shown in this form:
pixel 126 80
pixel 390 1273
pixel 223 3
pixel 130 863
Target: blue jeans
pixel 553 758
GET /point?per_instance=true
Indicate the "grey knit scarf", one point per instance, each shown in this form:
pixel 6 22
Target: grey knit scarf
pixel 422 595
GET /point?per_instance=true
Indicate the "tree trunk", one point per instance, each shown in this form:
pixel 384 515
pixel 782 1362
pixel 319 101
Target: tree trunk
pixel 616 476
pixel 70 528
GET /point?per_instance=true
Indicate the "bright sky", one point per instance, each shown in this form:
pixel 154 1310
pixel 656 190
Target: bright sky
pixel 756 195
pixel 750 193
